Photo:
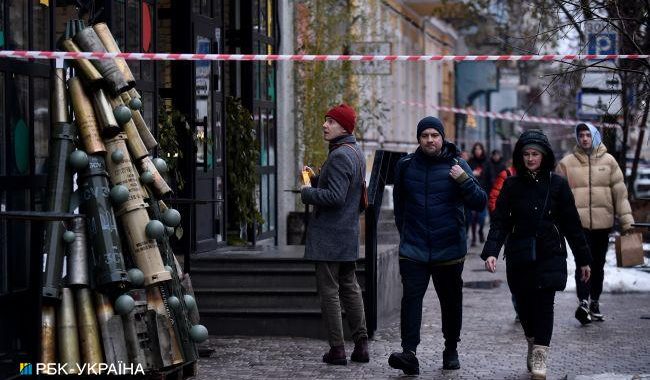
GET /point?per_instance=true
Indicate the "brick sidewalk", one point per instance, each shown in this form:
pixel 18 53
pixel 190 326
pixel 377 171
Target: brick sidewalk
pixel 492 346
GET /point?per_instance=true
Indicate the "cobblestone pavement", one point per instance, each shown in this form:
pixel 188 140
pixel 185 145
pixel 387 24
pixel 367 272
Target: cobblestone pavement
pixel 492 345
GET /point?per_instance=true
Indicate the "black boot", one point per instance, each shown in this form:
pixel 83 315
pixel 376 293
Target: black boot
pixel 360 353
pixel 450 355
pixel 406 361
pixel 336 355
pixel 582 312
pixel 594 311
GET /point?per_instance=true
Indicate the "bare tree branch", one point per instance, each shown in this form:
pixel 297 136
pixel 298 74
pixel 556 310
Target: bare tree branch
pixel 571 19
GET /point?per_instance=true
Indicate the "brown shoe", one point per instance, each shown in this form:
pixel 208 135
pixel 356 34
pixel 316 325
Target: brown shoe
pixel 336 355
pixel 360 353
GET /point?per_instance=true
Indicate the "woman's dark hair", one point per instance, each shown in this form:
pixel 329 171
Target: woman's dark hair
pixel 478 145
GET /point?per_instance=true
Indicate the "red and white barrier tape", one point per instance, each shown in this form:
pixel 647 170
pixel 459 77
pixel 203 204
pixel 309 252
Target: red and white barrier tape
pixel 503 116
pixel 307 57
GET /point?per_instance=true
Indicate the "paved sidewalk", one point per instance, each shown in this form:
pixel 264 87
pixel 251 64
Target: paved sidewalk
pixel 492 346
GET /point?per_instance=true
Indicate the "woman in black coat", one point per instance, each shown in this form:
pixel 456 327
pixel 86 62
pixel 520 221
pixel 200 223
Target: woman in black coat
pixel 534 214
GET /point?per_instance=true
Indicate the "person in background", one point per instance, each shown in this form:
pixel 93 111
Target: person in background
pixel 433 186
pixel 333 235
pixel 598 187
pixel 478 163
pixel 534 214
pixel 493 167
pixel 492 204
pixel 495 190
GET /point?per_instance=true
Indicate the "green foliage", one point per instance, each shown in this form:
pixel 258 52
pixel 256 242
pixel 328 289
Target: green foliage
pixel 242 157
pixel 324 27
pixel 168 143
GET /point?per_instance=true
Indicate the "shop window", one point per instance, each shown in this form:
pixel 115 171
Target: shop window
pixel 202 7
pixel 132 33
pixel 17 32
pixel 271 128
pixel 270 221
pixel 18 152
pixel 41 124
pixel 2 24
pixel 147 109
pixel 118 23
pixel 265 202
pixel 264 152
pixel 40 26
pixel 3 150
pixel 147 40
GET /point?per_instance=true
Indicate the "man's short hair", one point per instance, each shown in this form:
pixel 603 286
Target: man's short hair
pixel 582 127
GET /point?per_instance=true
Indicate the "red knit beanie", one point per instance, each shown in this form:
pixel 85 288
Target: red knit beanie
pixel 344 115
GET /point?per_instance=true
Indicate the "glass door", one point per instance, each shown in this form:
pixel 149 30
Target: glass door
pixel 208 122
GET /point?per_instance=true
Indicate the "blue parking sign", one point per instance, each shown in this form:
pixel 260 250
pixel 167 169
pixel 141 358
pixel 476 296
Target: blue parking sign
pixel 602 37
pixel 603 43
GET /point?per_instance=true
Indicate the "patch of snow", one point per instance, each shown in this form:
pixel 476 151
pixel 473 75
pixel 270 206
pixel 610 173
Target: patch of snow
pixel 617 280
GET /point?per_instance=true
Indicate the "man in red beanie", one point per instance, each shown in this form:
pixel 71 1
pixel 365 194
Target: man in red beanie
pixel 333 234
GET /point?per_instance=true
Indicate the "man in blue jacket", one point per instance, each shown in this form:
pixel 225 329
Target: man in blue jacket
pixel 432 188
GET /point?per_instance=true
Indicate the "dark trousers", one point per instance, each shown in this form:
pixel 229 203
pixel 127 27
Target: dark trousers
pixel 535 309
pixel 598 241
pixel 448 283
pixel 337 284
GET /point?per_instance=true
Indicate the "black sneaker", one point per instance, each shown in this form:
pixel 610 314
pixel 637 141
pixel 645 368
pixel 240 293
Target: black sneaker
pixel 406 361
pixel 450 359
pixel 594 311
pixel 582 312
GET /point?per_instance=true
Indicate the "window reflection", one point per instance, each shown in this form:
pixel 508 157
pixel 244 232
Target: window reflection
pixel 17 104
pixel 2 125
pixel 132 34
pixel 2 24
pixel 203 107
pixel 40 27
pixel 41 124
pixel 17 32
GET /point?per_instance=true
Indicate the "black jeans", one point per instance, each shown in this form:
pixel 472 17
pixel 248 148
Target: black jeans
pixel 598 241
pixel 535 309
pixel 448 283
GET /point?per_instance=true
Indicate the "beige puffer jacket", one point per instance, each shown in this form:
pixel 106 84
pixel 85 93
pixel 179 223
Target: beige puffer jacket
pixel 597 184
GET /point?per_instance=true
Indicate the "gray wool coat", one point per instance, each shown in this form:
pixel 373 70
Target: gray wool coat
pixel 333 231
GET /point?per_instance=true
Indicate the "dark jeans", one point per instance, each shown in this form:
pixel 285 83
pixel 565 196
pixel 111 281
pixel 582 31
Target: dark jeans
pixel 478 219
pixel 448 283
pixel 337 284
pixel 598 241
pixel 535 309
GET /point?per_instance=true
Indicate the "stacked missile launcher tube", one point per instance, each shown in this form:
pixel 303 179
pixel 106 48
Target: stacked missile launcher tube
pixel 122 298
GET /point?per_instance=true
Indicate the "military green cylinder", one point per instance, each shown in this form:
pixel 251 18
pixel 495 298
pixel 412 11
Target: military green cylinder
pixel 59 185
pixel 159 185
pixel 104 113
pixel 86 68
pixel 123 172
pixel 136 146
pixel 88 40
pixel 85 118
pixel 112 330
pixel 91 349
pixel 111 46
pixel 106 249
pixel 144 132
pixel 48 334
pixel 59 105
pixel 78 255
pixel 67 332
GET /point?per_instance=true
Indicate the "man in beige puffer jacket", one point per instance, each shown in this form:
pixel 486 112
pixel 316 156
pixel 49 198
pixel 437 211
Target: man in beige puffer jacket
pixel 597 184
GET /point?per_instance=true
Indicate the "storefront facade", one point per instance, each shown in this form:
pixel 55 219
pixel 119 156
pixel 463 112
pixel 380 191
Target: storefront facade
pixel 198 90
